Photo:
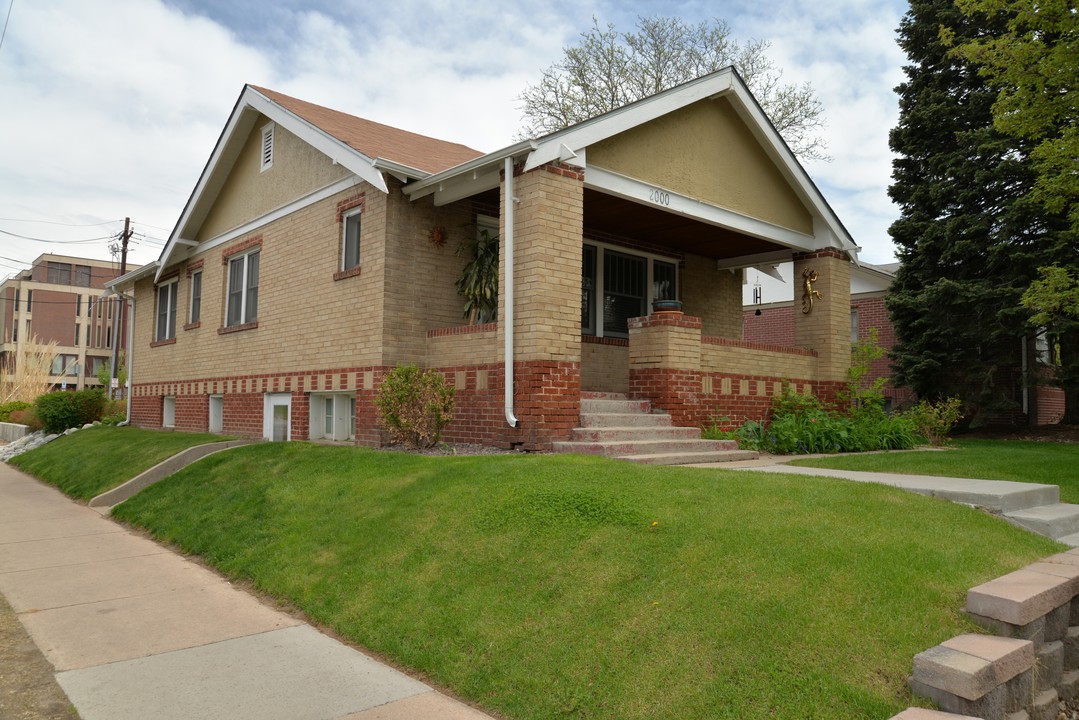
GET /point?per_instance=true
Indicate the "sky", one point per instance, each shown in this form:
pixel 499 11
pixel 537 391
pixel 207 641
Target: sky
pixel 110 108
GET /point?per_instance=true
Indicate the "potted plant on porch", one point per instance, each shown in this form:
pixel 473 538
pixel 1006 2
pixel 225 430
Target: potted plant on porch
pixel 478 282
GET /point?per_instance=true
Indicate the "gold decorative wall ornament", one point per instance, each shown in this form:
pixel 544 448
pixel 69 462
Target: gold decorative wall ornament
pixel 808 293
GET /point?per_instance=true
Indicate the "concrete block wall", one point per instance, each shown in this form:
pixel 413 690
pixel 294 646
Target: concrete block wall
pixel 1028 665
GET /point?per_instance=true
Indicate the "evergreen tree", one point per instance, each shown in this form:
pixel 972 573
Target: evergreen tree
pixel 969 239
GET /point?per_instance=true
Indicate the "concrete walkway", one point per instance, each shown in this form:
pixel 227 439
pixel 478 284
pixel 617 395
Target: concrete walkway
pixel 135 631
pixel 1033 506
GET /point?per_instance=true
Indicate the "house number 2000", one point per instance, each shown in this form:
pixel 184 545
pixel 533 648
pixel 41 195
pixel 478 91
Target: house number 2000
pixel 659 197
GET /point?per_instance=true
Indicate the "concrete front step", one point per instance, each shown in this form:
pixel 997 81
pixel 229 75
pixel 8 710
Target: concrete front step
pixel 645 447
pixel 690 458
pixel 633 434
pixel 1055 521
pixel 597 405
pixel 637 419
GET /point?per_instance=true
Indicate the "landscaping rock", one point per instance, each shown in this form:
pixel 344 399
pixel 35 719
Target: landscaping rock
pixel 25 443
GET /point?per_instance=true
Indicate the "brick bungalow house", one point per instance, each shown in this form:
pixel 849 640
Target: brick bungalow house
pixel 317 252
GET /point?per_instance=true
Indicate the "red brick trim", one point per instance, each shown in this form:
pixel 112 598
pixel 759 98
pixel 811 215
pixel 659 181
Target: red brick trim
pixel 197 265
pixel 593 340
pixel 557 168
pixel 239 247
pixel 192 326
pixel 355 201
pixel 822 253
pixel 351 272
pixel 462 329
pixel 237 328
pixel 727 342
pixel 159 343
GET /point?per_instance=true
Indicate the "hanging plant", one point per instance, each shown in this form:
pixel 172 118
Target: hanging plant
pixel 478 283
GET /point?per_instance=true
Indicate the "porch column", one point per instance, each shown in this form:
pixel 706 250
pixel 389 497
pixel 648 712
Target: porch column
pixel 548 225
pixel 826 326
pixel 665 364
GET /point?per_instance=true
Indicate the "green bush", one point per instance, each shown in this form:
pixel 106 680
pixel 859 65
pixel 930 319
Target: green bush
pixel 936 420
pixel 9 407
pixel 115 412
pixel 415 405
pixel 61 410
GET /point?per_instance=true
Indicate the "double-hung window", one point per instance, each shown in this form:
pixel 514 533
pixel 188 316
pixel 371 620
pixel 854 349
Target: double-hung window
pixel 196 297
pixel 350 241
pixel 166 312
pixel 243 289
pixel 618 285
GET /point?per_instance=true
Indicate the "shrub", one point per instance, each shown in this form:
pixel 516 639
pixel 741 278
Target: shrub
pixel 27 417
pixel 6 409
pixel 935 420
pixel 61 410
pixel 415 405
pixel 115 412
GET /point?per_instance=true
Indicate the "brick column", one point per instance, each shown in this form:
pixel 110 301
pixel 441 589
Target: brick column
pixel 665 364
pixel 547 303
pixel 825 328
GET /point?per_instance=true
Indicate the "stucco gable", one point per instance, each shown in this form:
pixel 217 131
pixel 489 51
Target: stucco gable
pixel 706 151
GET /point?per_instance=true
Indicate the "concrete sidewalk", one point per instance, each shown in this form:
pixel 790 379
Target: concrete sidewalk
pixel 135 631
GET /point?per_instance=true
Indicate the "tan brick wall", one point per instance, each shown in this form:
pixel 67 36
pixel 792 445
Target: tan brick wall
pixel 306 319
pixel 670 341
pixel 604 367
pixel 420 276
pixel 750 359
pixel 826 328
pixel 547 250
pixel 464 348
pixel 715 296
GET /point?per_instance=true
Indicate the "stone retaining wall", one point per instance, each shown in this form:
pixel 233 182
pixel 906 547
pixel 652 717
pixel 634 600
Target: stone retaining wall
pixel 1027 666
pixel 10 432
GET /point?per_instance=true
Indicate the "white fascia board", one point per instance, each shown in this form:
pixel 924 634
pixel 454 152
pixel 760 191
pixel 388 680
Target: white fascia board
pixel 670 201
pixel 769 258
pixel 554 146
pixel 317 138
pixel 402 172
pixel 128 279
pixel 466 171
pixel 461 188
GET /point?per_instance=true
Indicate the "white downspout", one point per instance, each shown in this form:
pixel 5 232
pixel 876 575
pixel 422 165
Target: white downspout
pixel 507 293
pixel 130 351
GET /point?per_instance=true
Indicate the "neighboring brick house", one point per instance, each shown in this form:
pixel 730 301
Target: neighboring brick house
pixel 773 322
pixel 318 251
pixel 59 299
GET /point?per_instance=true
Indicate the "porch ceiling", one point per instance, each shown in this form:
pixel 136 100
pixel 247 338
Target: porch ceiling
pixel 611 214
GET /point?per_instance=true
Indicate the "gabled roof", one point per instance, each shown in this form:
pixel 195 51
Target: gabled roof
pixel 366 148
pixel 570 145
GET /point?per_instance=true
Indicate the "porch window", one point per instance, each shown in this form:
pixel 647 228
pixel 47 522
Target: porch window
pixel 627 284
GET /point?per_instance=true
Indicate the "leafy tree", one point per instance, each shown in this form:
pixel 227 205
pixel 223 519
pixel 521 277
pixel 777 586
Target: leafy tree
pixel 1034 63
pixel 609 69
pixel 1054 298
pixel 104 374
pixel 968 236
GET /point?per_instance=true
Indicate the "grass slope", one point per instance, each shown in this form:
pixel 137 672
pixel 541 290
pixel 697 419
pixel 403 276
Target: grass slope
pixel 562 586
pixel 89 462
pixel 1022 461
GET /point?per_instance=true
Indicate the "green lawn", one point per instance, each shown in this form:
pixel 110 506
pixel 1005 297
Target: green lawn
pixel 562 586
pixel 89 462
pixel 1038 462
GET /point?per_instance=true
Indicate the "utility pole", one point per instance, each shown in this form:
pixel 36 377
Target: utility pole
pixel 119 311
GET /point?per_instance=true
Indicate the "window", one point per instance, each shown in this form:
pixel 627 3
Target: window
pixel 854 325
pixel 108 333
pixel 90 306
pixel 16 299
pixel 350 242
pixel 168 412
pixel 29 299
pixel 78 332
pixel 333 416
pixel 196 297
pixel 616 286
pixel 78 306
pixel 15 331
pixel 65 365
pixel 243 291
pixel 82 275
pixel 266 157
pixel 59 273
pixel 166 312
pixel 94 365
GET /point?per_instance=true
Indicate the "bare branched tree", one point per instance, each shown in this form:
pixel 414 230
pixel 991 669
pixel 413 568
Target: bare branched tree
pixel 609 69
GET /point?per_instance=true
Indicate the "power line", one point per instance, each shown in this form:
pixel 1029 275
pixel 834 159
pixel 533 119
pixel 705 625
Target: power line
pixel 58 242
pixel 53 222
pixel 6 21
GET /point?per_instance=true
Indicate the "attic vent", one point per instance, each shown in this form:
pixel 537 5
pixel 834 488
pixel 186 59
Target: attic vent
pixel 266 159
